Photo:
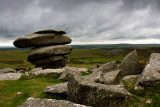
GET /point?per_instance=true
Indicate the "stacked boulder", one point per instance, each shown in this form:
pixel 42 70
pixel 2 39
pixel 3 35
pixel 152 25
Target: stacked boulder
pixel 49 48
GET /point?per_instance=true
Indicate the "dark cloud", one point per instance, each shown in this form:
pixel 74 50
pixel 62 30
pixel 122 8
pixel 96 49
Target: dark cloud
pixel 86 21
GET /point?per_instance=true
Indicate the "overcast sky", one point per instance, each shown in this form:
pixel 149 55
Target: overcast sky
pixel 85 21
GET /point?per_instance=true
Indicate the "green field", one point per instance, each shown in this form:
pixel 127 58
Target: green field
pixel 33 87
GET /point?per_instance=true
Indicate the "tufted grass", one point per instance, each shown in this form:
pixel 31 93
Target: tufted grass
pixel 29 87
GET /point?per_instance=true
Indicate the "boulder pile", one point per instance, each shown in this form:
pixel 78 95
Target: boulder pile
pixel 49 48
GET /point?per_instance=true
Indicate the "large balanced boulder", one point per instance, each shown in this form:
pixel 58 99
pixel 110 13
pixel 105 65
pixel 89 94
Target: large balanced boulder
pixel 39 102
pixel 46 51
pixel 7 70
pixel 89 93
pixel 57 89
pixel 42 38
pixel 10 76
pixel 130 65
pixel 151 73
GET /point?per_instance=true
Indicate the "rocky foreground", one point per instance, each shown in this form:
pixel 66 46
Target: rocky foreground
pixel 101 88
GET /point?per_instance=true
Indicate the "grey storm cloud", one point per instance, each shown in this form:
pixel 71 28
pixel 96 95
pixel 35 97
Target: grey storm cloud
pixel 83 20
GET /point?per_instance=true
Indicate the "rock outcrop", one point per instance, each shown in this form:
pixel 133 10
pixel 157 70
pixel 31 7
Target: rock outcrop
pixel 49 48
pixel 57 89
pixel 84 91
pixel 130 65
pixel 151 73
pixel 39 102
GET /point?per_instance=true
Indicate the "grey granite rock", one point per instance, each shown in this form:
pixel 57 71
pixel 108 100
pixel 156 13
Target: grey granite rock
pixel 42 38
pixel 130 65
pixel 89 93
pixel 46 51
pixel 110 66
pixel 109 78
pixel 10 76
pixel 57 89
pixel 151 73
pixel 39 102
pixel 7 70
pixel 55 73
pixel 67 70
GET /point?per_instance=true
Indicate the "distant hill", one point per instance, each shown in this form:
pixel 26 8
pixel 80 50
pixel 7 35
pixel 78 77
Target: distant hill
pixel 91 46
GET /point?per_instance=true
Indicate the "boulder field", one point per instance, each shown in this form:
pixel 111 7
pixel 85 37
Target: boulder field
pixel 48 48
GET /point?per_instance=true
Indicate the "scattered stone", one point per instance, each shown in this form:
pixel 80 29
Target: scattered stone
pixel 48 72
pixel 19 93
pixel 109 78
pixel 84 70
pixel 10 76
pixel 57 89
pixel 35 70
pixel 7 70
pixel 39 102
pixel 150 75
pixel 110 66
pixel 149 101
pixel 46 51
pixel 130 65
pixel 92 68
pixel 66 70
pixel 94 94
pixel 21 71
pixel 42 38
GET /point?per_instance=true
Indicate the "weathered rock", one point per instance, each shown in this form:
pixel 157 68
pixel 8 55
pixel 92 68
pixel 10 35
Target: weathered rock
pixel 57 89
pixel 151 73
pixel 130 65
pixel 82 70
pixel 10 76
pixel 54 65
pixel 51 31
pixel 48 72
pixel 130 77
pixel 94 94
pixel 110 66
pixel 94 76
pixel 35 70
pixel 39 102
pixel 42 38
pixel 109 78
pixel 66 70
pixel 47 60
pixel 7 70
pixel 93 68
pixel 46 51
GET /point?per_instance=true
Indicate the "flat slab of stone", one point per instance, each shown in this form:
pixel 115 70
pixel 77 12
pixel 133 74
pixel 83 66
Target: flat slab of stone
pixel 46 51
pixel 55 73
pixel 10 76
pixel 109 78
pixel 54 65
pixel 47 60
pixel 130 65
pixel 57 89
pixel 94 94
pixel 42 38
pixel 151 73
pixel 7 70
pixel 39 102
pixel 57 31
